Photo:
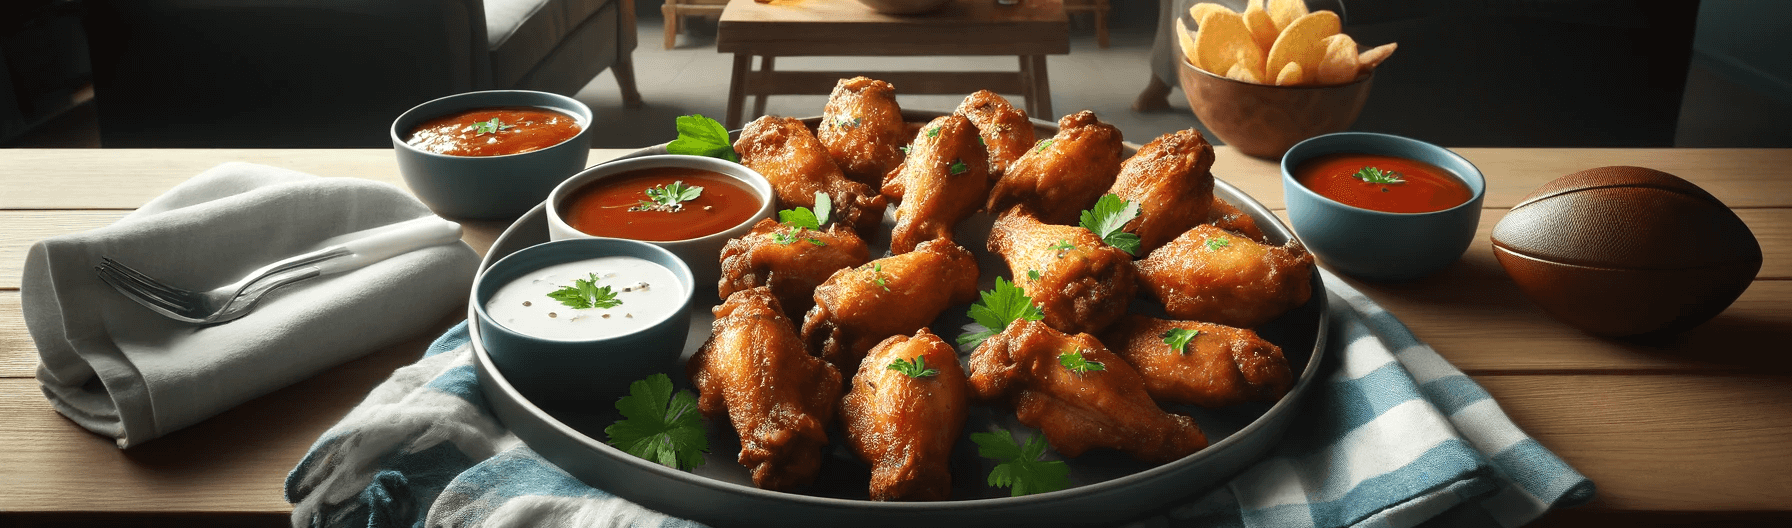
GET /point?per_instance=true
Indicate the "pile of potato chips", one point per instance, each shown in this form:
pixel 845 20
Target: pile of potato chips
pixel 1281 44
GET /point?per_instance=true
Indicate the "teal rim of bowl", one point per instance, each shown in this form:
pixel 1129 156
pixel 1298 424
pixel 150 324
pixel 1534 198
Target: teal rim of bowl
pixel 687 279
pixel 1477 190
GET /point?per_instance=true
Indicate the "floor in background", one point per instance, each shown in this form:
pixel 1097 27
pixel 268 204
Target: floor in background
pixel 693 78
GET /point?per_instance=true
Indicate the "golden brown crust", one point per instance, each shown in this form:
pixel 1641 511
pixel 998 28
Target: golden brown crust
pixel 1081 289
pixel 1224 216
pixel 1063 176
pixel 858 307
pixel 1006 131
pixel 1219 366
pixel 904 426
pixel 863 130
pixel 1211 275
pixel 789 156
pixel 1171 180
pixel 946 180
pixel 789 261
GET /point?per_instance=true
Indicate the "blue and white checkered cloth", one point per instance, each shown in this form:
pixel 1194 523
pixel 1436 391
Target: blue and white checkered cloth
pixel 1394 436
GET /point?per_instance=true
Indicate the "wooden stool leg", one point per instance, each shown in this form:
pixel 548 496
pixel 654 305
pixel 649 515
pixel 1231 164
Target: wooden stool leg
pixel 737 89
pixel 1026 87
pixel 765 66
pixel 671 14
pixel 1101 24
pixel 625 79
pixel 1042 90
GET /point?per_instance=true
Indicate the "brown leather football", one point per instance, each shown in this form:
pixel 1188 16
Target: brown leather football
pixel 1622 251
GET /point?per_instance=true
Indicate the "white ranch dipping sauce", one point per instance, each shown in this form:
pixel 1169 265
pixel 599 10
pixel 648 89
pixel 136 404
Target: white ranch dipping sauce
pixel 648 291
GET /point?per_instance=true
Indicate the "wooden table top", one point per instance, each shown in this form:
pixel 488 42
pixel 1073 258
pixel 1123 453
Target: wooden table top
pixel 787 28
pixel 1695 429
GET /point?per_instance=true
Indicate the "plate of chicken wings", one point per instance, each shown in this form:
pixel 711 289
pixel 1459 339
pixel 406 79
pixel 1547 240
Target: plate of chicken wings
pixel 844 374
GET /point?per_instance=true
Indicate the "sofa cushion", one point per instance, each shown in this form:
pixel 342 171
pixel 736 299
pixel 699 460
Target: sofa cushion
pixel 523 32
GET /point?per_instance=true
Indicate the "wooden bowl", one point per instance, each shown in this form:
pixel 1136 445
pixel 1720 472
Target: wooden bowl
pixel 1263 120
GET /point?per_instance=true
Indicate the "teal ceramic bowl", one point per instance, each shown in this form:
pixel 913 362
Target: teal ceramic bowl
pixel 583 370
pixel 489 187
pixel 1374 245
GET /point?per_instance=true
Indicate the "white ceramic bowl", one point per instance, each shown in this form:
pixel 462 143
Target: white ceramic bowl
pixel 702 254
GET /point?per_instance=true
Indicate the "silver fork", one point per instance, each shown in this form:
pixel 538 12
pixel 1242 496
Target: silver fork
pixel 237 299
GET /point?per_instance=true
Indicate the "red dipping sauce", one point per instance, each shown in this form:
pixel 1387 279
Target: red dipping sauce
pixel 612 207
pixel 1422 188
pixel 494 131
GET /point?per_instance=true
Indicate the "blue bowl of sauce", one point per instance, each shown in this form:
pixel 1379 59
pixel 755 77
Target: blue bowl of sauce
pixel 1426 226
pixel 580 319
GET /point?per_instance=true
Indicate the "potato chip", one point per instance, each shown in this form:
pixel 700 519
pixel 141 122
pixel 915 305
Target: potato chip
pixel 1290 75
pixel 1263 30
pixel 1300 42
pixel 1284 12
pixel 1240 73
pixel 1223 40
pixel 1338 66
pixel 1372 58
pixel 1199 12
pixel 1187 37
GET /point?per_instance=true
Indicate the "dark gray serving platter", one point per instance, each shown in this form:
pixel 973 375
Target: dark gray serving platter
pixel 1107 487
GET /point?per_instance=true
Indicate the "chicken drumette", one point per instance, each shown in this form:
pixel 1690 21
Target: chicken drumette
pixel 1081 283
pixel 789 156
pixel 1063 175
pixel 1171 181
pixel 858 307
pixel 791 261
pixel 755 371
pixel 862 128
pixel 1217 366
pixel 904 420
pixel 1030 366
pixel 943 181
pixel 1210 274
pixel 1005 130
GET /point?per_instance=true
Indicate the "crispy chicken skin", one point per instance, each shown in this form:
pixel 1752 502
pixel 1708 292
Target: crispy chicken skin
pixel 1224 216
pixel 1171 179
pixel 755 370
pixel 903 426
pixel 1006 131
pixel 1078 411
pixel 1064 175
pixel 946 175
pixel 1210 274
pixel 789 261
pixel 784 150
pixel 862 128
pixel 858 307
pixel 1220 365
pixel 1080 289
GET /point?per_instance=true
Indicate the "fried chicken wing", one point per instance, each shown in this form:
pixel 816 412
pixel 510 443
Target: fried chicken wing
pixel 1209 274
pixel 1171 180
pixel 862 128
pixel 1224 216
pixel 1006 131
pixel 1077 411
pixel 755 371
pixel 791 261
pixel 1064 175
pixel 784 150
pixel 946 179
pixel 905 426
pixel 1219 366
pixel 858 307
pixel 1082 284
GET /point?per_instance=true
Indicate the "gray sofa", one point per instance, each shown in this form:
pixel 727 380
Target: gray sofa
pixel 332 73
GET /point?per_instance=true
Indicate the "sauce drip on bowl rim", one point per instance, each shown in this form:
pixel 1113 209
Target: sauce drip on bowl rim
pixel 639 293
pixel 1383 183
pixel 629 205
pixel 494 131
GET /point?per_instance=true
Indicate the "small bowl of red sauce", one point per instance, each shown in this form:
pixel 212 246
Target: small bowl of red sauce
pixel 690 205
pixel 1382 207
pixel 491 155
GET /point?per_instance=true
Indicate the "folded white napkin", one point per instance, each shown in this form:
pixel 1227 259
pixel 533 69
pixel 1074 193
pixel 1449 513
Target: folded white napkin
pixel 123 371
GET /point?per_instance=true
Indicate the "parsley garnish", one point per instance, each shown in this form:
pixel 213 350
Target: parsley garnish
pixel 1020 469
pixel 1109 215
pixel 1074 361
pixel 659 426
pixel 1033 275
pixel 668 198
pixel 905 149
pixel 958 167
pixel 803 218
pixel 491 127
pixel 933 132
pixel 916 368
pixel 1178 338
pixel 1001 306
pixel 877 274
pixel 586 294
pixel 842 122
pixel 1374 175
pixel 785 239
pixel 702 136
pixel 1063 245
pixel 1214 244
pixel 1043 143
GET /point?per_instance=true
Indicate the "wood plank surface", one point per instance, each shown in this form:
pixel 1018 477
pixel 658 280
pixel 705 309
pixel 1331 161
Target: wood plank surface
pixel 18 355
